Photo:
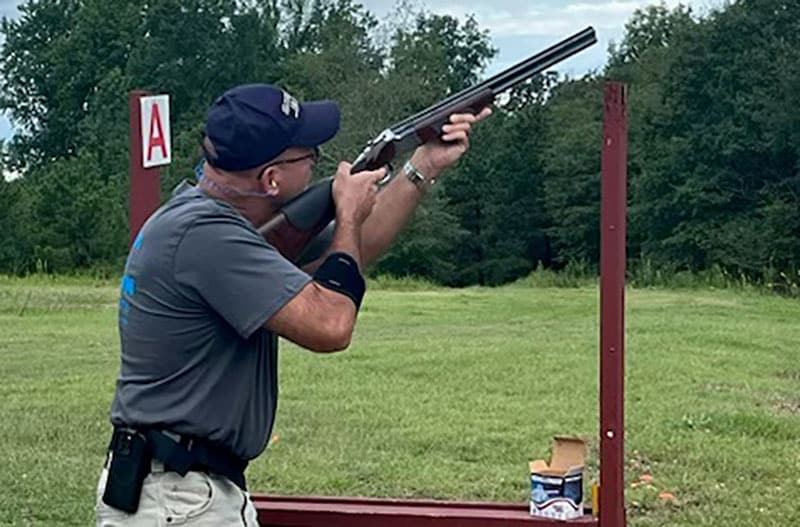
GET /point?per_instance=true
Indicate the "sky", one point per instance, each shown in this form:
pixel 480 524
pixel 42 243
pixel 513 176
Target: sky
pixel 518 28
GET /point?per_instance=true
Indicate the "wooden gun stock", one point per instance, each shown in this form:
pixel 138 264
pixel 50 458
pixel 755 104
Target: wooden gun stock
pixel 300 220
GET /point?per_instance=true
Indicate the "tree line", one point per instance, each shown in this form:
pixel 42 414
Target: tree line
pixel 714 129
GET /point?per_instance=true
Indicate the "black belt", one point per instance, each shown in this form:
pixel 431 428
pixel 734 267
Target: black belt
pixel 181 454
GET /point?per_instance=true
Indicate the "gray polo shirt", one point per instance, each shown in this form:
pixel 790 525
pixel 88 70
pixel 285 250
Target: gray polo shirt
pixel 199 284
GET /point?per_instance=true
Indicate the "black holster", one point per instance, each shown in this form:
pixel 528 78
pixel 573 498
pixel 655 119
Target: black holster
pixel 132 452
pixel 130 464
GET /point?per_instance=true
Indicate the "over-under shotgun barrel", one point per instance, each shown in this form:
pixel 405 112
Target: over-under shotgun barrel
pixel 516 74
pixel 308 214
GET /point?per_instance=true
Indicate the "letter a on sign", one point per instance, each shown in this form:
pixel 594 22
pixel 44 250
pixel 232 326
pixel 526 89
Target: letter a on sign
pixel 156 141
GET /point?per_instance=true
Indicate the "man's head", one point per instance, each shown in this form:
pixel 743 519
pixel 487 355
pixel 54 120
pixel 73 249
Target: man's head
pixel 262 133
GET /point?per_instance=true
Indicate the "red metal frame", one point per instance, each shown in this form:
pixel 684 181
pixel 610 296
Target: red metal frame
pixel 145 184
pixel 283 511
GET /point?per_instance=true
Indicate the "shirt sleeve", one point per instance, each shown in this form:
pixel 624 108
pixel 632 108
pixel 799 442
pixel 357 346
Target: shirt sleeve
pixel 236 272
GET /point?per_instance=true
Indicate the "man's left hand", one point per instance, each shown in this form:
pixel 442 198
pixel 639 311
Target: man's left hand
pixel 433 158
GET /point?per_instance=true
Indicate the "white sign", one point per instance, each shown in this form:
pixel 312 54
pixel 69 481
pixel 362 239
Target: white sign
pixel 156 139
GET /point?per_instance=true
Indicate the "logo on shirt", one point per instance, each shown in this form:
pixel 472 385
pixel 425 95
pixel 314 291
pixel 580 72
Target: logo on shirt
pixel 129 289
pixel 129 282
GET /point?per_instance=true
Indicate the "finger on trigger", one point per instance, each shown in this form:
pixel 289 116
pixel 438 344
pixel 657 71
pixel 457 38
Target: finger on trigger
pixel 455 137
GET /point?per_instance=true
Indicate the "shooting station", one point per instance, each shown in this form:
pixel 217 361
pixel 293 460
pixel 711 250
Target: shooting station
pixel 150 148
pixel 284 511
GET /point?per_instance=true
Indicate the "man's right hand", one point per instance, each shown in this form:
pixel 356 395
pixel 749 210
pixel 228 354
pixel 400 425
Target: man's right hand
pixel 354 194
pixel 319 318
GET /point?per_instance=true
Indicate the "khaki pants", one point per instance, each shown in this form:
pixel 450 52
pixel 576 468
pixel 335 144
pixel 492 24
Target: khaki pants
pixel 168 499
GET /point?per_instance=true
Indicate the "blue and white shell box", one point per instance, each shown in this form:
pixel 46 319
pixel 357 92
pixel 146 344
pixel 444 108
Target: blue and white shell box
pixel 557 486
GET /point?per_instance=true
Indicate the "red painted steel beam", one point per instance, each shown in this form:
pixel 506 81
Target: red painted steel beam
pixel 145 183
pixel 287 511
pixel 612 307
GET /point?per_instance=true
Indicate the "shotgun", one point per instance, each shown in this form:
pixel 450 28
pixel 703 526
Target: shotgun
pixel 303 228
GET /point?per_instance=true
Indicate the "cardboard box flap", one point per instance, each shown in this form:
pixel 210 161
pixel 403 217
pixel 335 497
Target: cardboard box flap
pixel 568 453
pixel 539 467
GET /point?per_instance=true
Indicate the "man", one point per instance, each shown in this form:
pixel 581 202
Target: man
pixel 204 299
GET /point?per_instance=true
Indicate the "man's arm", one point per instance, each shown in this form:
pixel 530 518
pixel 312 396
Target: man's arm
pixel 398 200
pixel 318 318
pixel 322 317
pixel 394 208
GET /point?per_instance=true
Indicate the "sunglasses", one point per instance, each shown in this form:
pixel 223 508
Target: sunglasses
pixel 313 156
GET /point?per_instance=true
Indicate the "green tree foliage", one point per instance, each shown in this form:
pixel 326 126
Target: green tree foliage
pixel 653 41
pixel 719 153
pixel 435 57
pixel 87 220
pixel 713 152
pixel 713 156
pixel 572 168
pixel 497 191
pixel 36 79
pixel 16 243
pixel 68 66
pixel 426 247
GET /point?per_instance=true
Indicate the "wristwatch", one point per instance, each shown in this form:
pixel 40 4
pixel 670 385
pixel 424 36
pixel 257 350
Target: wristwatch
pixel 417 177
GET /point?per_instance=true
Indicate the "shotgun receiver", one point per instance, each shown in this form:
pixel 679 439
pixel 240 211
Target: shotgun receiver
pixel 309 213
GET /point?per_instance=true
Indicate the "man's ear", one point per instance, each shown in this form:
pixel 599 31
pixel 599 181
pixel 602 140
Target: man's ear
pixel 269 183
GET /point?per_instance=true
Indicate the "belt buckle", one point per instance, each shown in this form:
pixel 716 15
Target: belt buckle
pixel 185 441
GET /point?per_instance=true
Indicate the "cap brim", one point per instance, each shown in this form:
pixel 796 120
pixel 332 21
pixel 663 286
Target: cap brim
pixel 319 122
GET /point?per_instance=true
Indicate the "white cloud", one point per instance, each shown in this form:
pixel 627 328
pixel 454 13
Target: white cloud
pixel 521 27
pixel 610 15
pixel 507 19
pixel 536 24
pixel 616 8
pixel 503 23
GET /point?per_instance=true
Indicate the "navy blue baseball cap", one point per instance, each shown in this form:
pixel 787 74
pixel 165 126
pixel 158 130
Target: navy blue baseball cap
pixel 252 124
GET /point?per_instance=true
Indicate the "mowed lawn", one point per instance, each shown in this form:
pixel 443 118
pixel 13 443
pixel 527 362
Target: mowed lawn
pixel 445 394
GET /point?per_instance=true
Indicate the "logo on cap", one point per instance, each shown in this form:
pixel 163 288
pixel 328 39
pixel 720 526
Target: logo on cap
pixel 290 105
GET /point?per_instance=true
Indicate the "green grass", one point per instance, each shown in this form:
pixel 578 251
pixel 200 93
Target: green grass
pixel 444 394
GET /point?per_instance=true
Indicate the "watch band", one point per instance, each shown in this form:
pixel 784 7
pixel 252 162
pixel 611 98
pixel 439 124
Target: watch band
pixel 416 177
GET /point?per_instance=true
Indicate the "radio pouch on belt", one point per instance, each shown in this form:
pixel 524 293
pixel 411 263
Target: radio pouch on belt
pixel 130 464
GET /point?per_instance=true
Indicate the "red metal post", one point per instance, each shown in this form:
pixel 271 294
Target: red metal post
pixel 612 307
pixel 145 185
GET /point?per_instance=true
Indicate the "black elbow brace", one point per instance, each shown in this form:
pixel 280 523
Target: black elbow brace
pixel 339 272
